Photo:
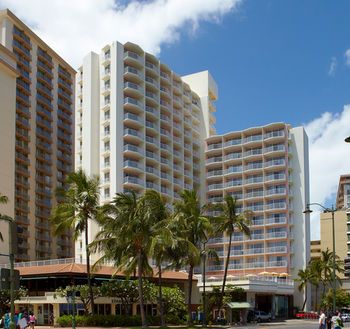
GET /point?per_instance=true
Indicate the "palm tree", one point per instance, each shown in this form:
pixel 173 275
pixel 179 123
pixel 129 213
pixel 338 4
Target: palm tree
pixel 305 277
pixel 79 204
pixel 229 222
pixel 194 226
pixel 315 266
pixel 162 241
pixel 326 265
pixel 128 228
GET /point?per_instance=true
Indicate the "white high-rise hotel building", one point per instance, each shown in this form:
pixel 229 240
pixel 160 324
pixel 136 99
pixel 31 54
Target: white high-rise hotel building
pixel 139 125
pixel 266 170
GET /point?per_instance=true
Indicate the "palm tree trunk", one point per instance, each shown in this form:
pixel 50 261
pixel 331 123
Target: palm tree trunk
pixel 91 293
pixel 161 305
pixel 139 277
pixel 304 304
pixel 324 289
pixel 305 297
pixel 189 304
pixel 316 291
pixel 225 274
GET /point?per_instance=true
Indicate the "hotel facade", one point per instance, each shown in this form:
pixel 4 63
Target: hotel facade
pixel 266 170
pixel 139 125
pixel 38 114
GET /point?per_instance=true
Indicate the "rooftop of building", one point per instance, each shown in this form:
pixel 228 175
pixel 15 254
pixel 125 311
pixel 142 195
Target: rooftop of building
pixel 8 13
pixel 273 125
pixel 72 266
pixel 343 179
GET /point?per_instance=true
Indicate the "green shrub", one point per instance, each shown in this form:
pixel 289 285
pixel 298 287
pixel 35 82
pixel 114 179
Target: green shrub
pixel 174 319
pixel 105 320
pixel 65 321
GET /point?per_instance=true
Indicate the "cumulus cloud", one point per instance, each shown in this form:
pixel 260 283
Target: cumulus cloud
pixel 347 57
pixel 73 28
pixel 332 67
pixel 329 158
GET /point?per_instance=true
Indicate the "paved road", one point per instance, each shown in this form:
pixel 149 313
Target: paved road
pixel 289 324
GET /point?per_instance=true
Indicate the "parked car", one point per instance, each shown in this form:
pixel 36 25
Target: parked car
pixel 261 316
pixel 300 315
pixel 345 317
pixel 307 315
pixel 250 316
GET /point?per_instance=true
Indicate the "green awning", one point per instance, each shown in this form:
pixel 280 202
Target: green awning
pixel 239 305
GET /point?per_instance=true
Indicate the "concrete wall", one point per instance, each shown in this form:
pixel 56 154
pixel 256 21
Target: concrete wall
pixel 300 229
pixel 340 232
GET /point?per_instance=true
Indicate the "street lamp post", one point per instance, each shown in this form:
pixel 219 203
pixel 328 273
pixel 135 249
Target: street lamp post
pixel 331 210
pixel 204 296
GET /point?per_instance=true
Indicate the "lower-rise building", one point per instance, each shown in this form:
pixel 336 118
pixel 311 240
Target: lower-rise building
pixel 315 249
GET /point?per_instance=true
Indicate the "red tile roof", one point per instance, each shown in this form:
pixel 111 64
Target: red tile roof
pixel 80 269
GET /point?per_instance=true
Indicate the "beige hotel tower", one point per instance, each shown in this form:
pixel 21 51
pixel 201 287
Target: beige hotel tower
pixel 36 145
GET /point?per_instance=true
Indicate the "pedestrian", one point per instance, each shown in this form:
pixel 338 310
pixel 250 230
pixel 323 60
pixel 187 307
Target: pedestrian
pixel 51 319
pixel 22 322
pixel 16 318
pixel 329 321
pixel 32 320
pixel 322 320
pixel 7 320
pixel 337 321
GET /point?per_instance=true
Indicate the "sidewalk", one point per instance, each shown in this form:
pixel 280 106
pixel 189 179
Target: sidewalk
pixel 273 324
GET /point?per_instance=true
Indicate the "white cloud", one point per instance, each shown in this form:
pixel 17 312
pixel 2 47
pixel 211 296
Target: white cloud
pixel 73 28
pixel 332 67
pixel 347 57
pixel 329 158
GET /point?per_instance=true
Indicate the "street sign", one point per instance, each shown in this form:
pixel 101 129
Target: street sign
pixel 5 279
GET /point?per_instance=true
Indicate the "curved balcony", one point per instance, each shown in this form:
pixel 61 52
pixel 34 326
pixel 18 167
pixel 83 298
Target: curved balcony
pixel 132 59
pixel 132 135
pixel 132 74
pixel 279 148
pixel 133 166
pixel 133 104
pixel 276 235
pixel 133 182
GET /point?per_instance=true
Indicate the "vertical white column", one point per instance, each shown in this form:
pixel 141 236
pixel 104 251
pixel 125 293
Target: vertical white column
pixel 301 196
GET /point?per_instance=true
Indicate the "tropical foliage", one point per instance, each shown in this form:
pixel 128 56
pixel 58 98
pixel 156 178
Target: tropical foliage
pixel 229 222
pixel 129 227
pixel 5 297
pixel 342 299
pixel 137 228
pixel 194 226
pixel 81 292
pixel 319 272
pixel 79 204
pixel 304 278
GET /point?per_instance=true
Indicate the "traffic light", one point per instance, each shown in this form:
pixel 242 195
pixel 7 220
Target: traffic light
pixel 5 279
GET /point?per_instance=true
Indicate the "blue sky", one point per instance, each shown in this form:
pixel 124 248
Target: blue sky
pixel 271 60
